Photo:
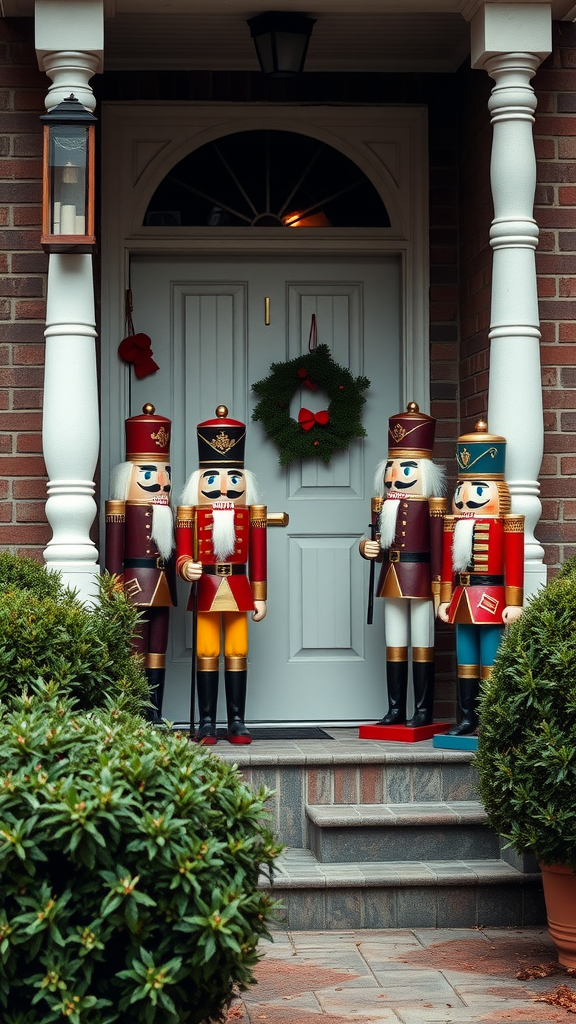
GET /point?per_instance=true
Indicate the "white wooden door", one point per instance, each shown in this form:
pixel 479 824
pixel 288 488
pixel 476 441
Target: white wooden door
pixel 313 659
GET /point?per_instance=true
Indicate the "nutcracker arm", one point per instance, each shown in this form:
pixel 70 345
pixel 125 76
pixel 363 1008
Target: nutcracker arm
pixel 257 554
pixel 185 535
pixel 115 534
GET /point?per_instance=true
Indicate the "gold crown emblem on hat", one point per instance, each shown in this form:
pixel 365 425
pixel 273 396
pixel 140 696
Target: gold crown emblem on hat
pixel 464 457
pixel 398 433
pixel 162 437
pixel 222 442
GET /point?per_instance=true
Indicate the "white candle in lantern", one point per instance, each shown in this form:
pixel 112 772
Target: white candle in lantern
pixel 68 220
pixel 80 226
pixel 56 219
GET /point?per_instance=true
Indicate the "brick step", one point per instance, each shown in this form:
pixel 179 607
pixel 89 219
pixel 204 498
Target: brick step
pixel 430 893
pixel 350 833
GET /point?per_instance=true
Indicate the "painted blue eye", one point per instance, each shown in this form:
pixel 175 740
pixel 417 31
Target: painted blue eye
pixel 211 480
pixel 235 480
pixel 147 475
pixel 480 492
pixel 407 471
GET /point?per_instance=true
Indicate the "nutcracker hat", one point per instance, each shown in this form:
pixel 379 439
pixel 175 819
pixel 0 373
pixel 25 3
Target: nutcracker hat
pixel 411 434
pixel 221 441
pixel 148 437
pixel 480 454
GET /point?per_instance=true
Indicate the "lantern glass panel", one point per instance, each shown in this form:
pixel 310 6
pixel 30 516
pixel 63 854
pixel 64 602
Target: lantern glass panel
pixel 290 52
pixel 68 179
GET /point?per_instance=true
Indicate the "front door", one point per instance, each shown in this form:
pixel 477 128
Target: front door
pixel 313 659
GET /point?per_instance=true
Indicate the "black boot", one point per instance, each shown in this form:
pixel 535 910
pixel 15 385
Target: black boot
pixel 155 677
pixel 468 690
pixel 207 690
pixel 235 705
pixel 423 675
pixel 397 683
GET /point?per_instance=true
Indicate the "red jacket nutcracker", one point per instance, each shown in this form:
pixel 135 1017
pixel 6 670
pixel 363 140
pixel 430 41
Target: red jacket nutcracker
pixel 483 564
pixel 140 538
pixel 407 539
pixel 221 544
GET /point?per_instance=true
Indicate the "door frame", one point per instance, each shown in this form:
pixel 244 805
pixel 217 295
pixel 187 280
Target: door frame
pixel 141 142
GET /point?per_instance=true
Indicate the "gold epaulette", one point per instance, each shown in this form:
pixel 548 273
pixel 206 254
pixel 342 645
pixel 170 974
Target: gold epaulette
pixel 115 511
pixel 449 522
pixel 438 507
pixel 513 524
pixel 376 504
pixel 258 517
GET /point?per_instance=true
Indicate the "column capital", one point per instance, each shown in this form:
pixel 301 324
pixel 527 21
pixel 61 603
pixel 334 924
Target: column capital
pixel 510 28
pixel 69 36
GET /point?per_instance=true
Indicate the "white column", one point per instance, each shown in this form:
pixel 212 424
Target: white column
pixel 69 40
pixel 509 41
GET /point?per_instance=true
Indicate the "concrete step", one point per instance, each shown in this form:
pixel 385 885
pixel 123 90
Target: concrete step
pixel 454 893
pixel 351 833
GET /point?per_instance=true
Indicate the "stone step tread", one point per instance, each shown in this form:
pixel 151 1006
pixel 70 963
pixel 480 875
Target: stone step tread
pixel 453 812
pixel 299 869
pixel 314 754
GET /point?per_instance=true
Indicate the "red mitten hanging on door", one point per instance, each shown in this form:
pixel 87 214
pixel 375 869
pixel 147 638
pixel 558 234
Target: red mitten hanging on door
pixel 137 349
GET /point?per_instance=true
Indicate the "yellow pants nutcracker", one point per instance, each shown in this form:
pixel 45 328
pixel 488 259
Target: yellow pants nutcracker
pixel 208 640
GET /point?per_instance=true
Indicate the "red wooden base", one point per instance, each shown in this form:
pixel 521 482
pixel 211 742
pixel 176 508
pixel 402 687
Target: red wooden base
pixel 400 733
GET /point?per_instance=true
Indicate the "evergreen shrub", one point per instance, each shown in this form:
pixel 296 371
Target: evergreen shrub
pixel 129 863
pixel 527 745
pixel 47 633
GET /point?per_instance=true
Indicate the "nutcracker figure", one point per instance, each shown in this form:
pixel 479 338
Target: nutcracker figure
pixel 221 550
pixel 140 539
pixel 482 565
pixel 407 539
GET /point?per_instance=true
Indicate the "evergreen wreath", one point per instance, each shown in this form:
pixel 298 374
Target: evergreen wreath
pixel 313 435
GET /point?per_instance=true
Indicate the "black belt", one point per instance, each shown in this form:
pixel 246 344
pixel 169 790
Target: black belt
pixel 408 556
pixel 473 579
pixel 224 569
pixel 157 562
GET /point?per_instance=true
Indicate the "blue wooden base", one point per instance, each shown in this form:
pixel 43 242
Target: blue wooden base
pixel 456 742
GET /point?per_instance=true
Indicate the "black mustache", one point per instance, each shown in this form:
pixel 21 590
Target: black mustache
pixel 471 504
pixel 401 486
pixel 153 488
pixel 216 495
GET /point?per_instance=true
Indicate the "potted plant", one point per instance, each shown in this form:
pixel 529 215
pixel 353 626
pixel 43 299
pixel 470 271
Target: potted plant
pixel 129 865
pixel 527 747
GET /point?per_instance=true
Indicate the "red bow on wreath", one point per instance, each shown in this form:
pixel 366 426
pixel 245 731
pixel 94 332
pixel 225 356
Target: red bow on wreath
pixel 137 349
pixel 307 419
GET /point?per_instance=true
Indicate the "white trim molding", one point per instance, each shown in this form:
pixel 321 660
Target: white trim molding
pixel 509 41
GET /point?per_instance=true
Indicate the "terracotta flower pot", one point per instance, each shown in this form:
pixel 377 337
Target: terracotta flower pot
pixel 559 883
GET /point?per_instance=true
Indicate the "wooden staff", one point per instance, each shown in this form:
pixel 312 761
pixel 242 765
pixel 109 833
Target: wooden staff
pixel 374 535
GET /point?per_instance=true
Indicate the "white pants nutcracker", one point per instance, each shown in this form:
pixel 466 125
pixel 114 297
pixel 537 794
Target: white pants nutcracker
pixel 408 622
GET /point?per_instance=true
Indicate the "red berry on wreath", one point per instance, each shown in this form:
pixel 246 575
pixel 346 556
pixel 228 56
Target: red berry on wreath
pixel 302 373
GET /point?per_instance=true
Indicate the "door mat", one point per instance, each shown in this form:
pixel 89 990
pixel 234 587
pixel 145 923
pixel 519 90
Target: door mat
pixel 296 732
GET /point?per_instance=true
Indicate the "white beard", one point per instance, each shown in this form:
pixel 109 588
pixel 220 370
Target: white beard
pixel 163 529
pixel 223 533
pixel 462 546
pixel 387 522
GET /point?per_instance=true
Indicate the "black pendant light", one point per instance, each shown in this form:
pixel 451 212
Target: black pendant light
pixel 281 39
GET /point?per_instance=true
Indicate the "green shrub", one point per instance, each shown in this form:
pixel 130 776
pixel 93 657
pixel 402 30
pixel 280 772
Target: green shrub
pixel 527 746
pixel 47 633
pixel 129 864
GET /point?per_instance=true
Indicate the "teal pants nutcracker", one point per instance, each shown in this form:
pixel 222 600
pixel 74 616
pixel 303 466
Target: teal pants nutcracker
pixel 476 646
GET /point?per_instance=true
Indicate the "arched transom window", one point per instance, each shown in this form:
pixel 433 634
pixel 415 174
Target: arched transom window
pixel 266 179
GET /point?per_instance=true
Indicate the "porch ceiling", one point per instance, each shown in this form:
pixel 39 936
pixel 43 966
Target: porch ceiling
pixel 380 35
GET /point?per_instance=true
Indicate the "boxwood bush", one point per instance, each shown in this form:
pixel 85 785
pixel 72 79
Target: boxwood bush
pixel 47 633
pixel 129 863
pixel 527 745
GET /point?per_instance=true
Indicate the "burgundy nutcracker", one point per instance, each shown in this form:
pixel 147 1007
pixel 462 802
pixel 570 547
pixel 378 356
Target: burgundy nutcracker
pixel 407 539
pixel 221 550
pixel 140 539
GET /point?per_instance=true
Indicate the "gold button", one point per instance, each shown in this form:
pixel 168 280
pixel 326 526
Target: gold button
pixel 148 552
pixel 403 522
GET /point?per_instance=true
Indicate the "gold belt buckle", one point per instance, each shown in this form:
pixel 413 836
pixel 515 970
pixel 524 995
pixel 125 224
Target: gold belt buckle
pixel 160 564
pixel 223 568
pixel 464 579
pixel 393 555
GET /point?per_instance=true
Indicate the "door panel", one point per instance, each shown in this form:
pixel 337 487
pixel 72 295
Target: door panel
pixel 313 659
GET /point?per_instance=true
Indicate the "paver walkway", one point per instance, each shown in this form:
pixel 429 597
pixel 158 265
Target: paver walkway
pixel 419 976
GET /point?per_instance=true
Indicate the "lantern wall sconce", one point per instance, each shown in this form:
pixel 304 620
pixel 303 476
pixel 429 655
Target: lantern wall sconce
pixel 281 39
pixel 68 178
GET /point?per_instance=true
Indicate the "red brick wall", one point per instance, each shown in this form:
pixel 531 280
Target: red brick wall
pixel 23 265
pixel 555 140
